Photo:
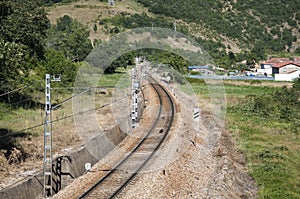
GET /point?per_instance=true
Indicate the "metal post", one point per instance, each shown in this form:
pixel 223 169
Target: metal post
pixel 134 107
pixel 48 140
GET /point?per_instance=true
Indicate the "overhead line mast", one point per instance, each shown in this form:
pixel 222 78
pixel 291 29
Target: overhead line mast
pixel 48 158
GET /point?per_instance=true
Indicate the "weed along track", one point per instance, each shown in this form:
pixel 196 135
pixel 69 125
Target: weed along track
pixel 117 178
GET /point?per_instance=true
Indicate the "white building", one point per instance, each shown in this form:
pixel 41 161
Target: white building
pixel 286 71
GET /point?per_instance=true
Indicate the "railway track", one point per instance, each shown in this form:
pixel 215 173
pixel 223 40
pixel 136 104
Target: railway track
pixel 116 179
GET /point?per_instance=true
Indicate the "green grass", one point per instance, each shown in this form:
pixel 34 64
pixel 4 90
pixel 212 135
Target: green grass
pixel 117 79
pixel 271 149
pixel 19 120
pixel 244 90
pixel 272 152
pixel 16 119
pixel 235 91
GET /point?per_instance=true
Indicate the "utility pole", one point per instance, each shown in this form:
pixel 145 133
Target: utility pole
pixel 47 141
pixel 134 107
pixel 134 100
pixel 48 158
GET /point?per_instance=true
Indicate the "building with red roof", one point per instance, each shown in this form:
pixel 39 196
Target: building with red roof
pixel 285 67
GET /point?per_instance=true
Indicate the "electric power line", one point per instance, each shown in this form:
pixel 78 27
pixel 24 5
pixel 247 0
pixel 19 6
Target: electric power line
pixel 68 99
pixel 12 91
pixel 56 120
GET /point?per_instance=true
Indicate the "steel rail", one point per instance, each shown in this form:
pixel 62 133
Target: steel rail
pixel 94 187
pixel 156 148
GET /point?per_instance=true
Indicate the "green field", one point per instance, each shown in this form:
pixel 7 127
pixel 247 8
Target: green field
pixel 270 143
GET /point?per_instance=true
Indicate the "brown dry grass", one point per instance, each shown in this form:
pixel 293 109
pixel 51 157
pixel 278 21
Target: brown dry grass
pixel 89 12
pixel 64 137
pixel 263 83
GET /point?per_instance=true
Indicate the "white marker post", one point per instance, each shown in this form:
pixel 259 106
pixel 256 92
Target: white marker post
pixel 196 114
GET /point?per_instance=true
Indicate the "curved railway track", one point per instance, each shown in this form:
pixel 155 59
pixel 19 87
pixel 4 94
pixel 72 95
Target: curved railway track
pixel 111 184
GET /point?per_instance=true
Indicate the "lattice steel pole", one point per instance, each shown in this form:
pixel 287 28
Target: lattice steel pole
pixel 48 140
pixel 48 158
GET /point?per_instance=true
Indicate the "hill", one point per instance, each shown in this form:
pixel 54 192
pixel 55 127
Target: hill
pixel 92 12
pixel 267 24
pixel 251 30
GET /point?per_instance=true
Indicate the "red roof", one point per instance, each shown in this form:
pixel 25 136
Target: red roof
pixel 282 64
pixel 276 60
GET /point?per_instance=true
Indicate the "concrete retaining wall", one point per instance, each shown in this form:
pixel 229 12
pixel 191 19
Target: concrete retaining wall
pixel 31 187
pixel 65 168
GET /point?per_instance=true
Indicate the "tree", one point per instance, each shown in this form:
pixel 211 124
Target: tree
pixel 25 23
pixel 22 38
pixel 56 63
pixel 231 57
pixel 71 37
pixel 122 61
pixel 12 56
pixel 258 53
pixel 64 23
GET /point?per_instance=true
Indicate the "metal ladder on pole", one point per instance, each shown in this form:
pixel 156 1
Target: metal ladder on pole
pixel 48 141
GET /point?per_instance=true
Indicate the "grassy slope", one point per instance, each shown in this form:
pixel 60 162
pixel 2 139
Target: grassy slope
pixel 272 152
pixel 92 11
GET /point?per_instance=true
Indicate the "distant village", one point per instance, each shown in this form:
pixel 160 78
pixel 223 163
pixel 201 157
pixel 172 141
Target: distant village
pixel 278 69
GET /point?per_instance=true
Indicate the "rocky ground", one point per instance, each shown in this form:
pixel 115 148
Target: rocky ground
pixel 205 168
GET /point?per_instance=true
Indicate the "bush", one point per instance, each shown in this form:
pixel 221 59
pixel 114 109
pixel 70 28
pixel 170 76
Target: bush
pixel 195 80
pixel 195 73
